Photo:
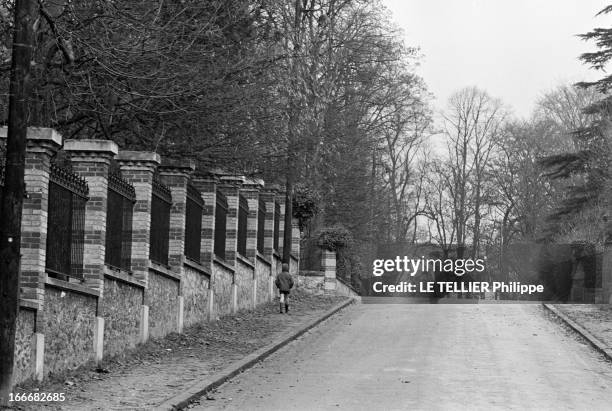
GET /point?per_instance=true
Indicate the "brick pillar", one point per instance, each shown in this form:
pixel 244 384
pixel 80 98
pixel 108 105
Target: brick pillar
pixel 280 199
pixel 175 175
pixel 250 191
pixel 267 196
pixel 138 168
pixel 328 266
pixel 42 144
pixel 296 236
pixel 91 160
pixel 208 190
pixel 207 185
pixel 230 186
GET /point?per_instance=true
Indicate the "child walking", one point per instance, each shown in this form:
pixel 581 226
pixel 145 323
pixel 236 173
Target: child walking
pixel 284 283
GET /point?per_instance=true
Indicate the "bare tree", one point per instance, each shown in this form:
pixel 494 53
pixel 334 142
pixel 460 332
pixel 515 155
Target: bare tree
pixel 472 124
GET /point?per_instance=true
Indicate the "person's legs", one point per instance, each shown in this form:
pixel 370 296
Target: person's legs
pixel 286 302
pixel 282 300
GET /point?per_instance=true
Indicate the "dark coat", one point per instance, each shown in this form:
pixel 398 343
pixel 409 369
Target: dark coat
pixel 284 282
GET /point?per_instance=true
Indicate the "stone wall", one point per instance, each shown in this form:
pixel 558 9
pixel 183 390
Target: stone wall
pixel 162 299
pixel 69 328
pixel 120 307
pixel 262 274
pixel 24 353
pixel 68 322
pixel 195 296
pixel 342 288
pixel 244 281
pixel 311 283
pixel 222 287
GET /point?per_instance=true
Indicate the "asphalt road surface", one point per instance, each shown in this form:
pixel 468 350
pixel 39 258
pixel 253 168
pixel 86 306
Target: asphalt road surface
pixel 426 357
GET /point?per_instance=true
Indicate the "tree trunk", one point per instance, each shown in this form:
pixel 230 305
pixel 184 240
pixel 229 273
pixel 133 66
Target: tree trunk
pixel 287 233
pixel 13 191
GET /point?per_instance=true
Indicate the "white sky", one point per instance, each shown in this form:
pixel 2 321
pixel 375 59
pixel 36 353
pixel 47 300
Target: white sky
pixel 514 49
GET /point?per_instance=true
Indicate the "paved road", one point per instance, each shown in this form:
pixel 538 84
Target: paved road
pixel 427 357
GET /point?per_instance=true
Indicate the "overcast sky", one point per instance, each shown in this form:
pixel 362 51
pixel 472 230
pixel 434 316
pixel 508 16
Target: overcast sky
pixel 514 49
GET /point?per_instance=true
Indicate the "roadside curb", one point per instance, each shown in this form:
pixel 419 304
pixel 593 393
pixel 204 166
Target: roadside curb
pixel 183 399
pixel 594 341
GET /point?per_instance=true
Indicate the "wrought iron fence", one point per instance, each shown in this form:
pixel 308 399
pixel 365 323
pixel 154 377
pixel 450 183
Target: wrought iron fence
pixel 261 226
pixel 160 222
pixel 2 161
pixel 66 224
pixel 243 215
pixel 220 225
pixel 276 225
pixel 193 223
pixel 120 209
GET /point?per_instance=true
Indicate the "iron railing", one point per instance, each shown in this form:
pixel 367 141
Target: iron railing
pixel 66 224
pixel 193 223
pixel 243 216
pixel 2 161
pixel 261 226
pixel 161 202
pixel 276 225
pixel 120 209
pixel 220 225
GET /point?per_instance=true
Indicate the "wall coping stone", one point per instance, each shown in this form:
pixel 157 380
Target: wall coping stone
pixel 160 269
pixel 123 276
pixel 245 260
pixel 38 134
pixel 76 288
pixel 232 179
pixel 263 258
pixel 175 166
pixel 139 157
pixel 209 178
pixel 222 263
pixel 92 146
pixel 29 304
pixel 196 266
pixel 254 184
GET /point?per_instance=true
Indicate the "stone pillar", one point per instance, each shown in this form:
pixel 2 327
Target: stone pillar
pixel 250 191
pixel 175 175
pixel 328 266
pixel 91 160
pixel 138 168
pixel 230 186
pixel 98 338
pixel 42 144
pixel 208 190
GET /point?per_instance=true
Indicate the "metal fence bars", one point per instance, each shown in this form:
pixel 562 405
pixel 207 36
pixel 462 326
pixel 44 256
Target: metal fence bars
pixel 261 226
pixel 66 223
pixel 220 225
pixel 2 160
pixel 120 209
pixel 243 216
pixel 276 225
pixel 161 202
pixel 193 223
